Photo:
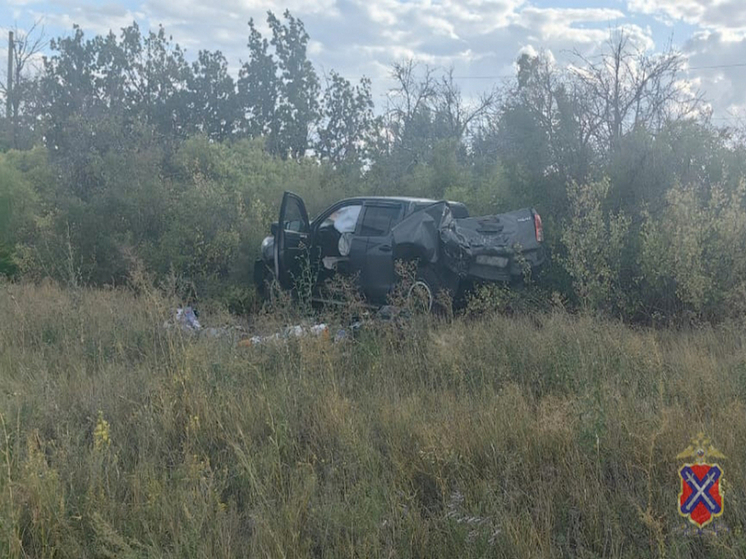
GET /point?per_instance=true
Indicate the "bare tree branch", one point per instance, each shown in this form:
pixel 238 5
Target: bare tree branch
pixel 628 88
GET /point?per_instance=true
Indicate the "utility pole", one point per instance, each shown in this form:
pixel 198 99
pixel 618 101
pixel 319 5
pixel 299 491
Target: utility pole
pixel 9 89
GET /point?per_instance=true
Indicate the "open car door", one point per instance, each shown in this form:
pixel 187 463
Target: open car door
pixel 291 239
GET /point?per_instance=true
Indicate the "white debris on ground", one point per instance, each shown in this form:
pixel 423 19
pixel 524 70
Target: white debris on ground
pixel 296 331
pixel 185 318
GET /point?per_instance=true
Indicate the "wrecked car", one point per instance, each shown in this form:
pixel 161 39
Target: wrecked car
pixel 363 238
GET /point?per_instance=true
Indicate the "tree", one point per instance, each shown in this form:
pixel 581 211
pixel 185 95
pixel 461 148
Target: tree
pixel 298 107
pixel 407 115
pixel 426 120
pixel 211 97
pixel 104 100
pixel 158 81
pixel 347 120
pixel 535 136
pixel 453 117
pixel 626 88
pixel 136 79
pixel 279 88
pixel 259 86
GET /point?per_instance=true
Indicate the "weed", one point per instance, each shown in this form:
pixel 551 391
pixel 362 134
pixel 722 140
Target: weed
pixel 486 435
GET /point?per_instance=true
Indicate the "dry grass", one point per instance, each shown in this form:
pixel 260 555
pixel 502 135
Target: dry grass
pixel 499 436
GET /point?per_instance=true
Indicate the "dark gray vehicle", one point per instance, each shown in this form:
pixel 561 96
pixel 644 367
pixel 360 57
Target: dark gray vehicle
pixel 363 237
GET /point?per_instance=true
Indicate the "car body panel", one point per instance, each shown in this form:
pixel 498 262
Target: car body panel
pixel 377 269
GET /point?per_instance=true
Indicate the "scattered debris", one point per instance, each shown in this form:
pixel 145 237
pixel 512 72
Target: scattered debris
pixel 392 312
pixel 297 331
pixel 185 318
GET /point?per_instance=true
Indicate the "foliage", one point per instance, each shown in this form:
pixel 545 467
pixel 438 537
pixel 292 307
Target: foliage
pixel 594 239
pixel 279 87
pixel 153 158
pixel 17 210
pixel 695 250
pixel 204 223
pixel 347 121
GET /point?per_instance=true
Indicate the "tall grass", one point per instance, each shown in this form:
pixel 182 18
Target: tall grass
pixel 541 436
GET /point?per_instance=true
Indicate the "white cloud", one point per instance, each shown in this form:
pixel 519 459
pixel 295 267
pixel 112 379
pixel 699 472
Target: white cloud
pixel 92 18
pixel 690 11
pixel 551 22
pixel 718 39
pixel 726 16
pixel 712 55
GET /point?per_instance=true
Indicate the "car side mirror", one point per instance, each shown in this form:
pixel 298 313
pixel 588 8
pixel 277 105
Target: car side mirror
pixel 273 228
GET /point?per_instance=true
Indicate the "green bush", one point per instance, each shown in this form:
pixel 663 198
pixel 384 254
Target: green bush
pixel 18 205
pixel 694 252
pixel 198 214
pixel 196 211
pixel 594 239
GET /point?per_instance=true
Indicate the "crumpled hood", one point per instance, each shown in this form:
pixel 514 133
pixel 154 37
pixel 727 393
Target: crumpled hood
pixel 421 231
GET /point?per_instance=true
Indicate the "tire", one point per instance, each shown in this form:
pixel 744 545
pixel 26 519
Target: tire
pixel 431 289
pixel 264 277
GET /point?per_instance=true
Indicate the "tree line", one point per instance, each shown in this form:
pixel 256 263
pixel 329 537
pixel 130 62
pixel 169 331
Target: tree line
pixel 118 147
pixel 144 80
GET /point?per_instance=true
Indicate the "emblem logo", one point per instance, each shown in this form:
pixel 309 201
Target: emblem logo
pixel 701 496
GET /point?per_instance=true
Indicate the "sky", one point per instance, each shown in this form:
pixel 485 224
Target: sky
pixel 479 39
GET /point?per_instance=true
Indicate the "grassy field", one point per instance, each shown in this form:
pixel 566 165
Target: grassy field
pixel 541 436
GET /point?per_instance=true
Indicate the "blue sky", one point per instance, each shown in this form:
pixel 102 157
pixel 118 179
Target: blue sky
pixel 476 38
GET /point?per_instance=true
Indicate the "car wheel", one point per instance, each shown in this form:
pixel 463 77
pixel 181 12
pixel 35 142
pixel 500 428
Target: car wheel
pixel 425 294
pixel 264 279
pixel 420 296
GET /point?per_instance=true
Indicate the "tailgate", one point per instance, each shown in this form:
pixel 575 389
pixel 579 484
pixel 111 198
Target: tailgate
pixel 493 247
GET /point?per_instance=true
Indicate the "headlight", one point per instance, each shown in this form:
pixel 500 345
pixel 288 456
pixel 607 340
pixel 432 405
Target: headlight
pixel 498 261
pixel 268 246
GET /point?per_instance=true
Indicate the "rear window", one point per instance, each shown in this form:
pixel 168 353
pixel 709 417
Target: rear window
pixel 458 210
pixel 378 220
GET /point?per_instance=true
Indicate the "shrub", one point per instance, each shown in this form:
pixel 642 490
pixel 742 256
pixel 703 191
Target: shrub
pixel 594 239
pixel 17 208
pixel 693 253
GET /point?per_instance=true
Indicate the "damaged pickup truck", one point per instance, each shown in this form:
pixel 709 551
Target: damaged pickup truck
pixel 364 237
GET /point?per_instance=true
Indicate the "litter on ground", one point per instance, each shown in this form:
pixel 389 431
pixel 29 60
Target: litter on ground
pixel 185 319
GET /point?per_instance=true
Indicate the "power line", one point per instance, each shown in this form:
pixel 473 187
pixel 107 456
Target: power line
pixel 503 77
pixel 737 65
pixel 511 76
